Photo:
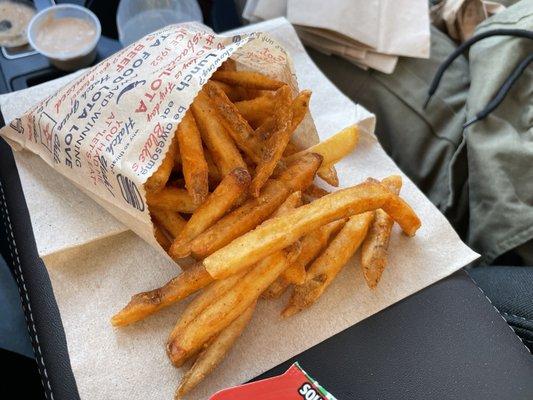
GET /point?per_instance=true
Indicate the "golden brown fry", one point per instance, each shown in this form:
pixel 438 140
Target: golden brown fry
pixel 312 244
pixel 326 267
pixel 159 178
pixel 214 175
pixel 206 297
pixel 228 65
pixel 277 233
pixel 234 93
pixel 221 146
pixel 217 204
pixel 316 192
pixel 238 128
pixel 333 149
pixel 247 79
pixel 300 107
pixel 272 149
pixel 214 354
pixel 293 201
pixel 218 315
pixel 229 306
pixel 145 304
pixel 170 220
pixel 376 243
pixel 296 177
pixel 256 110
pixel 171 199
pixel 241 220
pixel 161 237
pixel 195 169
pixel 292 148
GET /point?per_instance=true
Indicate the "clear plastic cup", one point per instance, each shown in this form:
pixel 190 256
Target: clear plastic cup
pixel 137 18
pixel 66 60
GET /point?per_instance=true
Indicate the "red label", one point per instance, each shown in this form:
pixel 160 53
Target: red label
pixel 292 385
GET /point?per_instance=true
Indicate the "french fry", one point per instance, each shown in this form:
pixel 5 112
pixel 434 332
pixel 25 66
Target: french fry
pixel 208 296
pixel 333 149
pixel 312 244
pixel 145 304
pixel 194 166
pixel 170 220
pixel 229 306
pixel 171 199
pixel 238 128
pixel 315 191
pixel 277 233
pixel 159 178
pixel 217 204
pixel 247 79
pixel 234 93
pixel 217 316
pixel 228 65
pixel 293 201
pixel 214 175
pixel 292 148
pixel 256 110
pixel 161 237
pixel 375 246
pixel 274 146
pixel 214 354
pixel 296 177
pixel 221 146
pixel 326 267
pixel 300 107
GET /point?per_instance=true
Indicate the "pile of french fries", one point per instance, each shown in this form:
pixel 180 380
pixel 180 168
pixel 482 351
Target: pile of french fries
pixel 236 194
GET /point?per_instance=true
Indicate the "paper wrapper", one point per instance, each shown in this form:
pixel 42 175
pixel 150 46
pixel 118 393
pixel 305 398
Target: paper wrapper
pixel 109 129
pixel 94 278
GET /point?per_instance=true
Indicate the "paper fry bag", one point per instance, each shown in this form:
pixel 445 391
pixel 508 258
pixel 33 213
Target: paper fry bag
pixel 109 129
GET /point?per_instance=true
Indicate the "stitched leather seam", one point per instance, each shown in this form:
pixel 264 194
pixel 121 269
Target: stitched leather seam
pixel 499 313
pixel 24 298
pixel 518 317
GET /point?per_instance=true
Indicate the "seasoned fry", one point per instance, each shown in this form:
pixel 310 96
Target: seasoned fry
pixel 333 149
pixel 312 244
pixel 247 79
pixel 272 150
pixel 221 146
pixel 170 220
pixel 145 304
pixel 238 128
pixel 229 306
pixel 234 93
pixel 159 178
pixel 161 237
pixel 292 202
pixel 214 175
pixel 326 267
pixel 214 354
pixel 256 110
pixel 300 107
pixel 195 169
pixel 316 192
pixel 218 315
pixel 171 199
pixel 217 204
pixel 277 233
pixel 228 65
pixel 296 177
pixel 375 246
pixel 208 296
pixel 292 148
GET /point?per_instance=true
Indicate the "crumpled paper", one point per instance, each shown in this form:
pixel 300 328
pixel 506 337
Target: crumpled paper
pixel 461 17
pixel 93 281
